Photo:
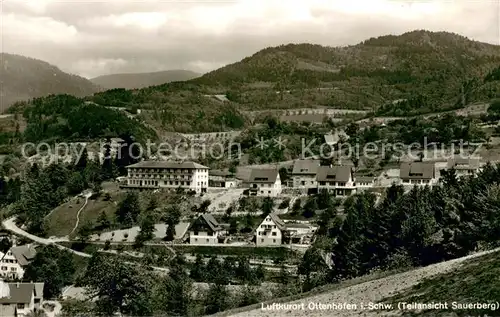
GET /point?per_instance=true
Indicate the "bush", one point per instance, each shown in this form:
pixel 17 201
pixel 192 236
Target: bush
pixel 284 204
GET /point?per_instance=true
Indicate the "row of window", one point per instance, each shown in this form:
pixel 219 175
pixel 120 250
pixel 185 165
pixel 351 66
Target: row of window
pixel 165 183
pixel 262 240
pixel 341 184
pixel 263 233
pixel 9 261
pixel 166 170
pixel 13 269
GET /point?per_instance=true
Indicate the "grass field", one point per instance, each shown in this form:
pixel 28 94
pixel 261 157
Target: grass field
pixel 476 281
pixel 61 220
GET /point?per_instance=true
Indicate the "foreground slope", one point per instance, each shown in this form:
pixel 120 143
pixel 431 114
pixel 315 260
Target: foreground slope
pixel 23 78
pixel 141 80
pixel 380 290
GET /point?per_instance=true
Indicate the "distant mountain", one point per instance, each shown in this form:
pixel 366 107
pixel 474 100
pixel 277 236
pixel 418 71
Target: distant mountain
pixel 23 78
pixel 141 80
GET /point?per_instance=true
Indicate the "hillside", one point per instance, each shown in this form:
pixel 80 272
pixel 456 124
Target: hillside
pixel 367 75
pixel 23 78
pixel 461 280
pixel 141 80
pixel 424 71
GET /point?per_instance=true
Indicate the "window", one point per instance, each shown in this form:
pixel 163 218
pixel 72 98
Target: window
pixel 274 240
pixel 20 306
pixel 208 240
pixel 261 240
pixel 4 268
pixel 195 239
pixel 13 269
pixel 274 233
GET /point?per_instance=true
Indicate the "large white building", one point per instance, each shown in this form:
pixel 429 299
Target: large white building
pixel 168 175
pixel 13 263
pixel 264 182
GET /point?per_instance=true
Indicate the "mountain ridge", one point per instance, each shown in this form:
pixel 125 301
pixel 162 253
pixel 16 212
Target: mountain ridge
pixel 24 78
pixel 143 79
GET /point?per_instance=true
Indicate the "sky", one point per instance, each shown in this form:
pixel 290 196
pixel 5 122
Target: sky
pixel 92 38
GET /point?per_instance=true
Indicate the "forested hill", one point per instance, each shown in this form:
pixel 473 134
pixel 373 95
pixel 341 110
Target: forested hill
pixel 434 71
pixel 371 73
pixel 23 78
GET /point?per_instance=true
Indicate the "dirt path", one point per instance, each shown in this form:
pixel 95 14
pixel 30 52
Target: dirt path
pixel 87 196
pixel 368 292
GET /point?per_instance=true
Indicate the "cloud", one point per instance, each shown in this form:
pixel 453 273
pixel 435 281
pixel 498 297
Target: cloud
pixel 93 38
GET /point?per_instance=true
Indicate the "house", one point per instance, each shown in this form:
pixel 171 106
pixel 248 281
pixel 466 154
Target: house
pixel 20 299
pixel 336 179
pixel 167 175
pixel 206 230
pixel 299 233
pixel 464 166
pixel 417 173
pixel 270 231
pixel 264 182
pixel 17 258
pixel 364 182
pixel 304 174
pixel 222 179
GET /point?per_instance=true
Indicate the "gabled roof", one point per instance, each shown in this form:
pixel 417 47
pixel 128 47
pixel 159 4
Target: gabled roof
pixel 221 173
pixel 464 163
pixel 277 220
pixel 305 167
pixel 208 220
pixel 20 293
pixel 167 164
pixel 417 170
pixel 263 175
pixel 334 173
pixel 24 253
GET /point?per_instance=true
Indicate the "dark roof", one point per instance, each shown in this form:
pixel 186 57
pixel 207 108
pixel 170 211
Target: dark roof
pixel 221 173
pixel 24 253
pixel 277 220
pixel 20 293
pixel 334 173
pixel 305 167
pixel 365 179
pixel 209 220
pixel 464 163
pixel 263 175
pixel 417 170
pixel 167 164
pixel 291 225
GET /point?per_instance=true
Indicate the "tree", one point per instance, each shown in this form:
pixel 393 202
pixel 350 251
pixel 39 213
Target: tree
pixel 147 230
pixel 81 164
pixel 310 207
pixel 198 272
pixel 296 206
pixel 128 209
pixel 5 245
pixel 85 231
pixel 53 267
pixel 267 206
pixel 216 299
pixel 284 174
pixel 172 218
pixel 120 287
pixel 103 220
